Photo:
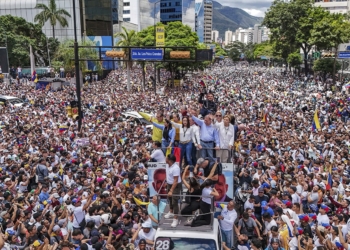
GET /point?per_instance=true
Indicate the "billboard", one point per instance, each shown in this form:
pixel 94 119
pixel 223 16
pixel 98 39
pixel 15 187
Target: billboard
pixel 157 180
pixel 102 41
pixel 160 36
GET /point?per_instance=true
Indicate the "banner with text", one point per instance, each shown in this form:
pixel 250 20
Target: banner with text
pixel 160 36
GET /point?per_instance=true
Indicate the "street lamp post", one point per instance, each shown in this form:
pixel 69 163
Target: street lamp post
pixel 155 44
pixel 77 72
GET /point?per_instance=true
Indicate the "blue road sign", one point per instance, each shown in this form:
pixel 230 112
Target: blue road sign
pixel 344 54
pixel 146 54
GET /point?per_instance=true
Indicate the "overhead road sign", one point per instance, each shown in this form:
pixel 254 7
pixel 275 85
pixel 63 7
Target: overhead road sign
pixel 147 54
pixel 344 55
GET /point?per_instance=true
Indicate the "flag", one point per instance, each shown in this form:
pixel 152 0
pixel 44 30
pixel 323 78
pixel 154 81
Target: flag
pixel 210 77
pixel 264 118
pixel 316 122
pixel 339 245
pixel 140 202
pixel 62 128
pixel 33 75
pixel 202 83
pixel 329 181
pixel 217 81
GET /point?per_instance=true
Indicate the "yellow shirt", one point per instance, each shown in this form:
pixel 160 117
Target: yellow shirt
pixel 157 134
pixel 284 237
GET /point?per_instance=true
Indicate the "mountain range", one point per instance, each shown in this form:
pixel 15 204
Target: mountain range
pixel 225 18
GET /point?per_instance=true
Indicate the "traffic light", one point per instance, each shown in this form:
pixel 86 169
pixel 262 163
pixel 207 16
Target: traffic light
pixel 316 55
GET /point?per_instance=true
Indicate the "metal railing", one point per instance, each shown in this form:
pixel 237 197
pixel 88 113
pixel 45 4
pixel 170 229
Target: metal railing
pixel 181 197
pixel 201 153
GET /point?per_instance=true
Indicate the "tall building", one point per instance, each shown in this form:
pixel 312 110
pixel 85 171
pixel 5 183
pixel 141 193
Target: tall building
pixel 335 6
pixel 260 33
pixel 97 17
pixel 214 35
pixel 26 9
pixel 145 13
pixel 228 37
pixel 199 10
pixel 244 35
pixel 170 11
pixel 208 20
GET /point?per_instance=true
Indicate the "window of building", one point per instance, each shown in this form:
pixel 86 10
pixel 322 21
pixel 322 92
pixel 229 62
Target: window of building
pixel 126 11
pixel 127 4
pixel 126 19
pixel 178 4
pixel 163 4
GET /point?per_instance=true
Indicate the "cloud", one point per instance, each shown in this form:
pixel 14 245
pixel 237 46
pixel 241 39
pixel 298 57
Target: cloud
pixel 255 12
pixel 253 7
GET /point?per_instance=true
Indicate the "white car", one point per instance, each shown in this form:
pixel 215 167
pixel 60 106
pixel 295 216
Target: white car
pixel 138 118
pixel 189 238
pixel 11 99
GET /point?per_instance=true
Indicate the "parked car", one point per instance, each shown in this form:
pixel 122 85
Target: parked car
pixel 13 100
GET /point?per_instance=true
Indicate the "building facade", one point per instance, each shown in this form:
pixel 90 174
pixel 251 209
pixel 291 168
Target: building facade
pixel 170 11
pixel 26 9
pixel 228 37
pixel 214 36
pixel 208 21
pixel 199 10
pixel 338 6
pixel 243 35
pixel 260 33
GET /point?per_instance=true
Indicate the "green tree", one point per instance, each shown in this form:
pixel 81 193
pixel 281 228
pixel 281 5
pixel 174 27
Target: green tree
pixel 237 49
pixel 127 38
pixel 290 24
pixel 263 49
pixel 51 13
pixel 18 34
pixel 325 66
pixel 330 32
pixel 294 60
pixel 65 54
pixel 176 35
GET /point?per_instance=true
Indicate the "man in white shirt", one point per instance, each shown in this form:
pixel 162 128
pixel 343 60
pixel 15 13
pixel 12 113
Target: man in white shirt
pixel 227 219
pixel 157 154
pixel 249 203
pixel 269 222
pixel 147 233
pixel 295 196
pixel 174 186
pixel 322 217
pixel 79 210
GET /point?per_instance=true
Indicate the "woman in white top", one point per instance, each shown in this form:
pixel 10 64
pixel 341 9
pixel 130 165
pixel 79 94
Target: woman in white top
pixel 186 139
pixel 226 137
pixel 205 204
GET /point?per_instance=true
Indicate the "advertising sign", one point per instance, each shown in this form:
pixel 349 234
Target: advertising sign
pixel 157 175
pixel 160 36
pixel 146 54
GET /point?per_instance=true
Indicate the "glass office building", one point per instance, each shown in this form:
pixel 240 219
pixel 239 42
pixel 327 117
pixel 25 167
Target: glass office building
pixel 199 10
pixel 188 13
pixel 170 11
pixel 26 9
pixel 97 18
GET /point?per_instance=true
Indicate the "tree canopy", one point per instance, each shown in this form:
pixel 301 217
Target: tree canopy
pixel 18 34
pixel 65 54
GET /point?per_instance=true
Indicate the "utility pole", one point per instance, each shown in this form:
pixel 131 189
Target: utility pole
pixel 77 70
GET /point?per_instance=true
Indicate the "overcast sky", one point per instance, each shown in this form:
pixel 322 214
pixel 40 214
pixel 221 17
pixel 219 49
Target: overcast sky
pixel 253 7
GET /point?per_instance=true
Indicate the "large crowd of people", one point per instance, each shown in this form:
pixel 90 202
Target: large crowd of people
pixel 288 138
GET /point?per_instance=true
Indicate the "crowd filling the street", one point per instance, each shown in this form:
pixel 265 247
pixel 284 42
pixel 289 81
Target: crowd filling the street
pixel 258 151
